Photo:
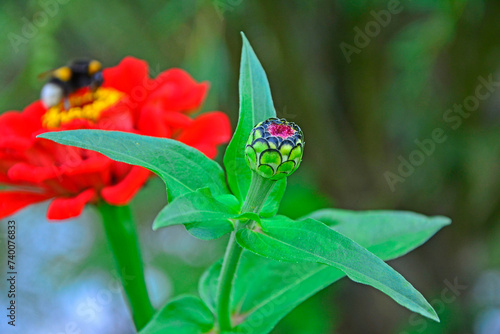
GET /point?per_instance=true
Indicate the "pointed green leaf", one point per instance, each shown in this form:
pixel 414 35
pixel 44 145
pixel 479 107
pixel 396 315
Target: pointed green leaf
pixel 207 286
pixel 182 168
pixel 256 105
pixel 203 216
pixel 262 298
pixel 371 228
pixel 230 201
pixel 312 241
pixel 183 315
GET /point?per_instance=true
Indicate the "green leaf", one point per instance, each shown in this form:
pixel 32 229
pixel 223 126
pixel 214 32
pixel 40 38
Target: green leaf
pixel 230 200
pixel 207 286
pixel 311 241
pixel 256 105
pixel 183 315
pixel 182 168
pixel 263 297
pixel 203 215
pixel 371 228
pixel 249 216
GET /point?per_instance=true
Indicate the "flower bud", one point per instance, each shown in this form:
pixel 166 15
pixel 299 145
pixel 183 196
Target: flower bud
pixel 274 148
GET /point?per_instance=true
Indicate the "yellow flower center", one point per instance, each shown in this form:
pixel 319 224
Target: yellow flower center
pixel 88 106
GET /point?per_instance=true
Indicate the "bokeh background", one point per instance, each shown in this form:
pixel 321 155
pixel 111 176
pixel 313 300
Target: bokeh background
pixel 362 104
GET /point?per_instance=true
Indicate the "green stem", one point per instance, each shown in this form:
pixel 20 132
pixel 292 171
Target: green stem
pixel 259 190
pixel 228 271
pixel 257 194
pixel 121 233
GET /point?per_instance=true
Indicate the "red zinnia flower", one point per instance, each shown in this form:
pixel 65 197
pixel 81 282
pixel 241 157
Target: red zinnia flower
pixel 128 101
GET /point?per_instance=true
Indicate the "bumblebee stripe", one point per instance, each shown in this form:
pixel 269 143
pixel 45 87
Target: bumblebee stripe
pixel 63 73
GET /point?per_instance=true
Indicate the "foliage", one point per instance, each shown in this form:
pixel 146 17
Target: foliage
pixel 315 251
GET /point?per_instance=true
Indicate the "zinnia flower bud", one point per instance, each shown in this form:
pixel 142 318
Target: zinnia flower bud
pixel 274 148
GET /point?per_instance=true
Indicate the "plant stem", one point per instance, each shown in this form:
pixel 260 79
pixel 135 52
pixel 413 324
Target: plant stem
pixel 121 233
pixel 257 194
pixel 228 271
pixel 259 190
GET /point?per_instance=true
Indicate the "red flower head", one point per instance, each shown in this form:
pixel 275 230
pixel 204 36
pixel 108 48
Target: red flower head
pixel 129 100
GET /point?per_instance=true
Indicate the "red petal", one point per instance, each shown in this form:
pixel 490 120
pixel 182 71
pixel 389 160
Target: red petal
pixel 118 117
pixel 35 111
pixel 13 201
pixel 176 120
pixel 16 130
pixel 123 192
pixel 207 132
pixel 129 76
pixel 64 208
pixel 178 91
pixel 93 164
pixel 155 121
pixel 28 173
pixel 150 122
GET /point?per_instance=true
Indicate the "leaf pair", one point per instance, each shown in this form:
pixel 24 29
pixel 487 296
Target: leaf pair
pixel 267 290
pixel 309 240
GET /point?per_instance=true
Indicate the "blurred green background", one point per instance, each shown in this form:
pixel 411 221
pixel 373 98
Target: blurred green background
pixel 362 100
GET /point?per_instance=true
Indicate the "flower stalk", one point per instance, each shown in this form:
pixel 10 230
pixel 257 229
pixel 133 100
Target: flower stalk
pixel 259 190
pixel 121 234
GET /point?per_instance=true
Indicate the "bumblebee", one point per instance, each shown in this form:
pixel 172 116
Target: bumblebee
pixel 68 79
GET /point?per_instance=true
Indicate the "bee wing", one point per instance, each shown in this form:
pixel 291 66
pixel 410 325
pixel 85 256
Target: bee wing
pixel 45 75
pixel 62 73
